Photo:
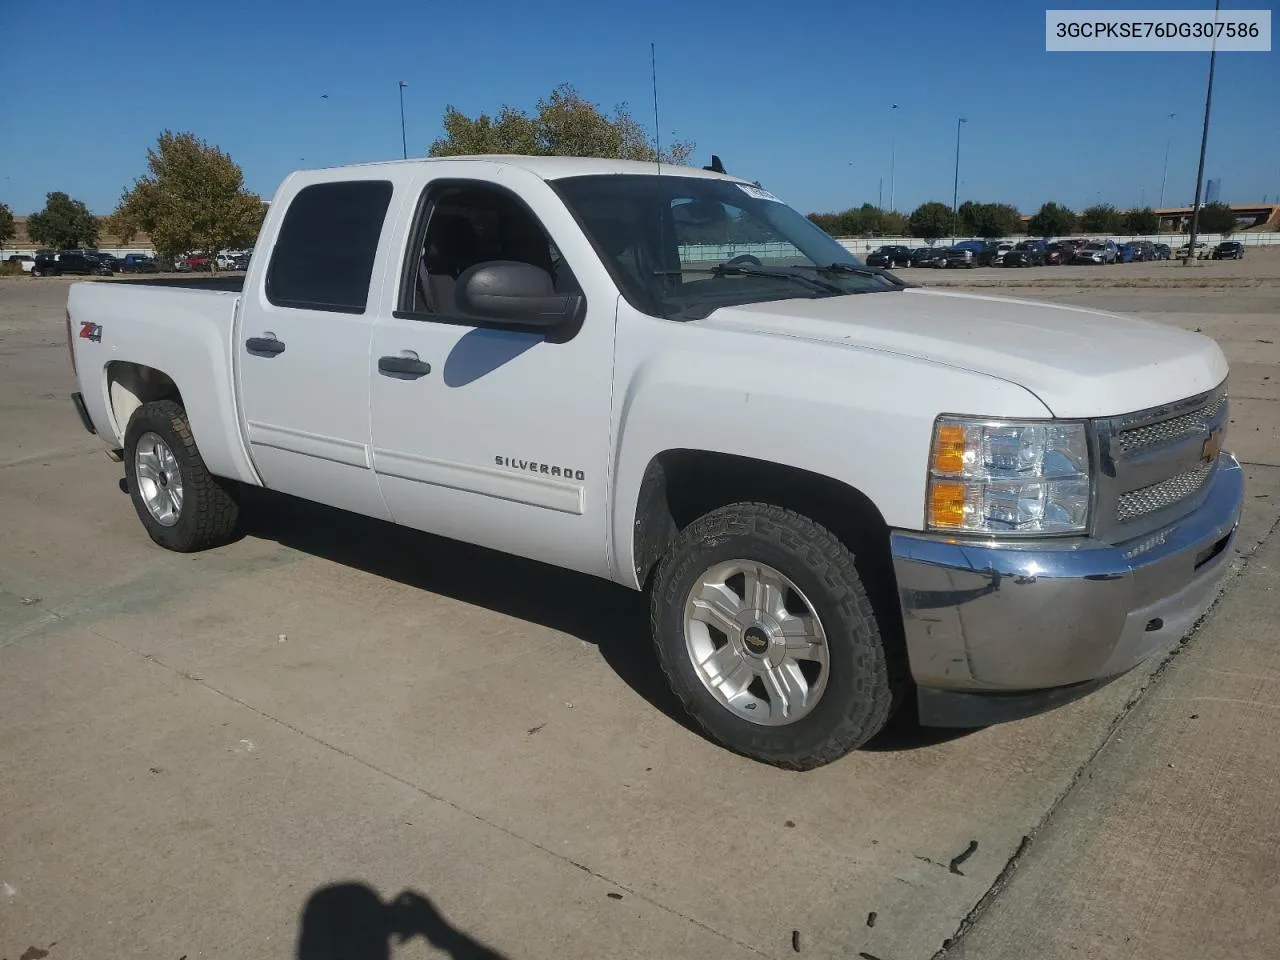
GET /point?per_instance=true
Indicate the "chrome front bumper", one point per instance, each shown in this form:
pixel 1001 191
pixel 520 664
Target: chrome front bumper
pixel 997 618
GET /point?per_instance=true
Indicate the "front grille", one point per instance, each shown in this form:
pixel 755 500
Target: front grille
pixel 1157 496
pixel 1140 439
pixel 1152 466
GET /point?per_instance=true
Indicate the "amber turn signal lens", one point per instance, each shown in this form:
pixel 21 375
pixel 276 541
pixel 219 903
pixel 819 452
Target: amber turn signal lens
pixel 946 505
pixel 948 449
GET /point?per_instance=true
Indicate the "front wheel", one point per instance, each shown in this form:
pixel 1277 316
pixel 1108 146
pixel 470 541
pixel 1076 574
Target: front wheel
pixel 765 633
pixel 182 506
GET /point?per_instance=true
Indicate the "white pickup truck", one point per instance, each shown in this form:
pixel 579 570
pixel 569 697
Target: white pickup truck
pixel 840 492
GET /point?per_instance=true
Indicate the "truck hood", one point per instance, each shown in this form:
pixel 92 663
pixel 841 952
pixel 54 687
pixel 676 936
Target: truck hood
pixel 1080 363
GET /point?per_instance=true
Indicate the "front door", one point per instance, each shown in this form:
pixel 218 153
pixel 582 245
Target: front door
pixel 303 347
pixel 486 432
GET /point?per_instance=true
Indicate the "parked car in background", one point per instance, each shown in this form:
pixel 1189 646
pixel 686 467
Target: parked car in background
pixel 1229 250
pixel 1026 253
pixel 57 264
pixel 1124 253
pixel 889 257
pixel 971 253
pixel 106 259
pixel 1096 251
pixel 1058 253
pixel 926 256
pixel 998 253
pixel 193 262
pixel 27 260
pixel 1143 250
pixel 138 263
pixel 1163 251
pixel 241 262
pixel 1183 251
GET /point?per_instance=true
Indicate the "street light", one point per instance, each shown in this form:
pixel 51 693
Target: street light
pixel 955 190
pixel 404 144
pixel 893 151
pixel 1164 177
pixel 1204 142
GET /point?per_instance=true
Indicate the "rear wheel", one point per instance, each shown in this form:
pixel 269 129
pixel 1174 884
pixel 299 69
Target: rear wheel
pixel 182 506
pixel 765 633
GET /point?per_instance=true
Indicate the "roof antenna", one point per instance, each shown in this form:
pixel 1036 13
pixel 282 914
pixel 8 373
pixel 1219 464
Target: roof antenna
pixel 657 131
pixel 715 166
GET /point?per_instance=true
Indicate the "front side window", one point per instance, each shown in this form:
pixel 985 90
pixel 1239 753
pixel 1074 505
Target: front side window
pixel 323 256
pixel 681 247
pixel 465 223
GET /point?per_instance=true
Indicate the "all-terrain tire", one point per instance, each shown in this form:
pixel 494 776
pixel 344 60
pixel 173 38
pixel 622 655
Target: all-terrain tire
pixel 858 698
pixel 210 507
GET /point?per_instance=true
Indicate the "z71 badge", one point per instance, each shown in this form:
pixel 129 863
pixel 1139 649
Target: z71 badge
pixel 91 331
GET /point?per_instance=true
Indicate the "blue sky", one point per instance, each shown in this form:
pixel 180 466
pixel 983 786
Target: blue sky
pixel 797 96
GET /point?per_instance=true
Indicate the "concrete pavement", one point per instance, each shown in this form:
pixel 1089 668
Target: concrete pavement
pixel 196 748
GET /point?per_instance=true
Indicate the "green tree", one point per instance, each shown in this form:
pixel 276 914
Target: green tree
pixel 1217 218
pixel 1101 218
pixel 931 220
pixel 193 199
pixel 830 222
pixel 1051 220
pixel 866 220
pixel 63 223
pixel 7 228
pixel 1142 223
pixel 566 125
pixel 989 220
pixel 894 224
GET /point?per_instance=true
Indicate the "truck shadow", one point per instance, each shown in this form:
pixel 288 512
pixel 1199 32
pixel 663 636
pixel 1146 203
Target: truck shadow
pixel 612 618
pixel 349 921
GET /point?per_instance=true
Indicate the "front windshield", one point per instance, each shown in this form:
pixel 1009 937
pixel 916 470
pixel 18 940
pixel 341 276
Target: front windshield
pixel 682 247
pixel 1094 246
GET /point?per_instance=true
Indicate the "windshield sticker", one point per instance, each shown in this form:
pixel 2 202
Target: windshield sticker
pixel 757 192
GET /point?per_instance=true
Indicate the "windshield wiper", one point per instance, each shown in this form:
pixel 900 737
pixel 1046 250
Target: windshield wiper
pixel 858 271
pixel 742 270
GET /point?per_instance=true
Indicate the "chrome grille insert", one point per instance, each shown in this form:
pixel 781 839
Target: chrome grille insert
pixel 1157 496
pixel 1139 439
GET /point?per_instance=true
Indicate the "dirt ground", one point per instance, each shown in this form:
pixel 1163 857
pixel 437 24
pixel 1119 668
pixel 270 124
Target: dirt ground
pixel 334 730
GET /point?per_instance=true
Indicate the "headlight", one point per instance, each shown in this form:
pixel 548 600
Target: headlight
pixel 1016 478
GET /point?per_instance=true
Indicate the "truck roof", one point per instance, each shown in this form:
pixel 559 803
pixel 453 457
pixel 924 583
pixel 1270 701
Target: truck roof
pixel 556 168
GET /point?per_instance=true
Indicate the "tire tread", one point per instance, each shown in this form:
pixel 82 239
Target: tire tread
pixel 833 564
pixel 214 509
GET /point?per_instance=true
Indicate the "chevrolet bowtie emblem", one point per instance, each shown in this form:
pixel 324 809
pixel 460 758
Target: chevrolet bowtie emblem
pixel 1212 446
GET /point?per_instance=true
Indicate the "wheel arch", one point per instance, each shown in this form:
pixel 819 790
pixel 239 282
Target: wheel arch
pixel 130 385
pixel 680 485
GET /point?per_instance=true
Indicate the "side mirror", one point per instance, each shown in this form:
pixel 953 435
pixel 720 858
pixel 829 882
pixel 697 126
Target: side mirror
pixel 517 293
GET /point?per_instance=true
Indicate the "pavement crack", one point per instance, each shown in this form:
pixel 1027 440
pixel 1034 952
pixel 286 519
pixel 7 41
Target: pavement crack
pixel 954 865
pixel 429 794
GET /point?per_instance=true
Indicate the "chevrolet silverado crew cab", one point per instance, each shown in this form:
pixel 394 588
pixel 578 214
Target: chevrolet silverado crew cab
pixel 840 493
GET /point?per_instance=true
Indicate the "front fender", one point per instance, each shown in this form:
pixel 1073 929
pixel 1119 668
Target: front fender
pixel 862 417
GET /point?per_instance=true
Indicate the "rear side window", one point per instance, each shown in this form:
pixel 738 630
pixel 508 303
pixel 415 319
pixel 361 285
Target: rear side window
pixel 323 257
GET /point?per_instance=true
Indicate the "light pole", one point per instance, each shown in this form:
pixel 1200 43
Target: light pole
pixel 1204 142
pixel 1164 177
pixel 404 144
pixel 955 189
pixel 893 151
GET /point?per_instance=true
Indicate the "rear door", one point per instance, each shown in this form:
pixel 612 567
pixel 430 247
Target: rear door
pixel 303 350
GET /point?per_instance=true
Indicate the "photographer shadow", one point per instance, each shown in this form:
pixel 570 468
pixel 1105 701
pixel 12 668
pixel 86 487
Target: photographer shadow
pixel 349 921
